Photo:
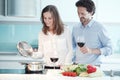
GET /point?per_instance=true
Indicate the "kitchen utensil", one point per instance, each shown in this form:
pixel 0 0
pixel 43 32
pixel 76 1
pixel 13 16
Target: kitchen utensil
pixel 24 48
pixel 35 66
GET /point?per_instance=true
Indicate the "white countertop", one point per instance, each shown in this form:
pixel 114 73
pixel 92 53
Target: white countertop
pixel 17 58
pixel 111 62
pixel 51 75
pixel 14 61
pixel 112 59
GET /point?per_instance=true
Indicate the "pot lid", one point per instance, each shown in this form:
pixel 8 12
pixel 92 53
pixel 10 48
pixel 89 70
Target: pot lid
pixel 24 48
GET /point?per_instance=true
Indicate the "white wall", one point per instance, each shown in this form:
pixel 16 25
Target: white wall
pixel 106 10
pixel 66 8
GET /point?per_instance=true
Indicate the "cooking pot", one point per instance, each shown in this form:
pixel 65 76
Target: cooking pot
pixel 26 50
pixel 34 67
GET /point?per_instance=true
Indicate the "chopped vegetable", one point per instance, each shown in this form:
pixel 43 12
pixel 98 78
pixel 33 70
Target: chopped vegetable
pixel 78 70
pixel 91 69
pixel 67 73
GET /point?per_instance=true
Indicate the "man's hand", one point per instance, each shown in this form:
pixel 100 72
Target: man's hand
pixel 85 50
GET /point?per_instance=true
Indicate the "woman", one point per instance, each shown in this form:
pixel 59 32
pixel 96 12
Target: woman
pixel 55 39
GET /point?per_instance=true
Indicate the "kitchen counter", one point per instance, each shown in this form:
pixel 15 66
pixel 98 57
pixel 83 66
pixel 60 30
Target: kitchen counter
pixel 16 57
pixel 51 75
pixel 14 61
pixel 109 63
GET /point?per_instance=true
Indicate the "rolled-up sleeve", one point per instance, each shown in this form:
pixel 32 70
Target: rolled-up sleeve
pixel 106 48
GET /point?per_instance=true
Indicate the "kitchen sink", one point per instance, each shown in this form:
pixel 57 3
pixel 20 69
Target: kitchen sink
pixel 112 73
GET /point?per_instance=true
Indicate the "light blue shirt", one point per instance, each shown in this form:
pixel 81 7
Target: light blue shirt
pixel 95 36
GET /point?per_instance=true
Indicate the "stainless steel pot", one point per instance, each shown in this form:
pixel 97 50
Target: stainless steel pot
pixel 26 50
pixel 34 67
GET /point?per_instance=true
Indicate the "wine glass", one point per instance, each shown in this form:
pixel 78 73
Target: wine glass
pixel 80 41
pixel 54 58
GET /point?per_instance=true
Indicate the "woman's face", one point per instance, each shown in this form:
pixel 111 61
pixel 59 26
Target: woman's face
pixel 84 15
pixel 48 19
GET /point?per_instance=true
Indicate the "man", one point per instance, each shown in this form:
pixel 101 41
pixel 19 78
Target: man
pixel 97 41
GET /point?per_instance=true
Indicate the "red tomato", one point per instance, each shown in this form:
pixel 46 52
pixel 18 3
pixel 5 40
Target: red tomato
pixel 72 74
pixel 91 69
pixel 65 73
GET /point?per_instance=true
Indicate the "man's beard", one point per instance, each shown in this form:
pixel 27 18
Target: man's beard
pixel 84 20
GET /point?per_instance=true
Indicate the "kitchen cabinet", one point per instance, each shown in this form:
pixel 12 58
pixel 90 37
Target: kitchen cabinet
pixel 23 8
pixel 20 10
pixel 2 7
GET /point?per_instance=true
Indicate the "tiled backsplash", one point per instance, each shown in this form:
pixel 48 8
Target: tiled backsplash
pixel 12 33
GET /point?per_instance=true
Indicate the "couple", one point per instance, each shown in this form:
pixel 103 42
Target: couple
pixel 55 38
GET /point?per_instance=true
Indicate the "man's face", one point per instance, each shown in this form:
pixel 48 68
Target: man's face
pixel 84 15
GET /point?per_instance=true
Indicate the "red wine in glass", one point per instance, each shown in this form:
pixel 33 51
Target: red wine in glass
pixel 54 60
pixel 81 44
pixel 80 41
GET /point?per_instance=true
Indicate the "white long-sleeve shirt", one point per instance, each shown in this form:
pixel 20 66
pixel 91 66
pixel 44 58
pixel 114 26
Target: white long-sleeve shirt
pixel 60 44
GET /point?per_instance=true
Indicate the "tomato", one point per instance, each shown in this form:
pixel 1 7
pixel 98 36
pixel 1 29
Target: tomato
pixel 64 73
pixel 67 73
pixel 91 69
pixel 74 74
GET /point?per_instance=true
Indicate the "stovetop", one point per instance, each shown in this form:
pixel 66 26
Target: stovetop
pixel 21 71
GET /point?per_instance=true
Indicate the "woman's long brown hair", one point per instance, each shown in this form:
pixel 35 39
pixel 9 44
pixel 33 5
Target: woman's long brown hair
pixel 58 24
